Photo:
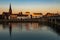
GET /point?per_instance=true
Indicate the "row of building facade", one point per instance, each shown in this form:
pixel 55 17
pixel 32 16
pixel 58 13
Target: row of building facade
pixel 20 15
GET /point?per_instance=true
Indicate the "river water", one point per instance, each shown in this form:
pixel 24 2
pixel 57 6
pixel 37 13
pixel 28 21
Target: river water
pixel 27 31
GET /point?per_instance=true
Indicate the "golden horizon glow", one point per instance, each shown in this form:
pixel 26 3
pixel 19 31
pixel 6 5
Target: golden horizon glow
pixel 31 10
pixel 32 6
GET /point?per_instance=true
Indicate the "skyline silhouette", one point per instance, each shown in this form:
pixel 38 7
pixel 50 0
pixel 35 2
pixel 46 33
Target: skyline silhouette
pixel 31 6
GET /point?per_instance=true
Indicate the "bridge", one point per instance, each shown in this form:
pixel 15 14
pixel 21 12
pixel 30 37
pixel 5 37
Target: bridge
pixel 54 20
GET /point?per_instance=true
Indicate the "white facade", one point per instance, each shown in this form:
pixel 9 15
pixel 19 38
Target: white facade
pixel 36 16
pixel 23 17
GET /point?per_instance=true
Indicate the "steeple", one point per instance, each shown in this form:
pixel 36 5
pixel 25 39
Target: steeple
pixel 10 9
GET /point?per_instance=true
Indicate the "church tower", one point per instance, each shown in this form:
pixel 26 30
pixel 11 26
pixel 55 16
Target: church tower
pixel 10 9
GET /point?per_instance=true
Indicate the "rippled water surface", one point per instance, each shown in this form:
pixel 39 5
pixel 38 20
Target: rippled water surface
pixel 27 31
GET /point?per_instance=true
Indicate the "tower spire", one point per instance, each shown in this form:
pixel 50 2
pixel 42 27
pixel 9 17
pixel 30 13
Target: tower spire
pixel 10 9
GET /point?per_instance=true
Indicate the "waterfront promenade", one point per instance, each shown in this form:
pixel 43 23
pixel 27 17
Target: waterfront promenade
pixel 50 20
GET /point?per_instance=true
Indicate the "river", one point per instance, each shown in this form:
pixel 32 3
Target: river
pixel 28 31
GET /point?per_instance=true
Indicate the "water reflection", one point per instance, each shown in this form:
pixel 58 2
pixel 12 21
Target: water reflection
pixel 56 28
pixel 9 26
pixel 30 29
pixel 28 26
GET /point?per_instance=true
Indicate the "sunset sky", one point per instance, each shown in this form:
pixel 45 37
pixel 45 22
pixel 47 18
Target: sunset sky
pixel 42 6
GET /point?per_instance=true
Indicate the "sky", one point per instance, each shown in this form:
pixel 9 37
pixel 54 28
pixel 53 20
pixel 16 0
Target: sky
pixel 32 6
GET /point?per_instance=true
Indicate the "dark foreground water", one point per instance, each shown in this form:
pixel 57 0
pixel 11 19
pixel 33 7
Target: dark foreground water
pixel 28 31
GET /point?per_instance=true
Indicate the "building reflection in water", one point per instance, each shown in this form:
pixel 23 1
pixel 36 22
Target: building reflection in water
pixel 56 28
pixel 28 27
pixel 9 26
pixel 35 26
pixel 5 25
pixel 20 26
